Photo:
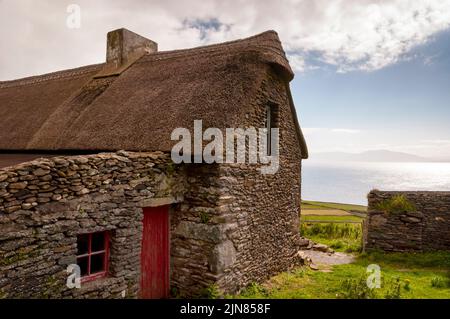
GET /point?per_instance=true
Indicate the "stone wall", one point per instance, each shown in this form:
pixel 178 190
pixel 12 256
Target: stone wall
pixel 240 226
pixel 264 231
pixel 197 227
pixel 427 227
pixel 46 203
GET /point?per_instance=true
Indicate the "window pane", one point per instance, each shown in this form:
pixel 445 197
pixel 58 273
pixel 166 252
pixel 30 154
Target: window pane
pixel 83 263
pixel 97 263
pixel 268 127
pixel 98 242
pixel 82 244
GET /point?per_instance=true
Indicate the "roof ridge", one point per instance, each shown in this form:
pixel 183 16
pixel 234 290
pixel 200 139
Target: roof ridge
pixel 68 73
pixel 214 46
pixel 226 43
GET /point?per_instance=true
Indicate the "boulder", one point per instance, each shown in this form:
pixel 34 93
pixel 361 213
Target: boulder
pixel 320 247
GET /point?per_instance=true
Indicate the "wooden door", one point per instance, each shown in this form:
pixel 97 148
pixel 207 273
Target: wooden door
pixel 155 253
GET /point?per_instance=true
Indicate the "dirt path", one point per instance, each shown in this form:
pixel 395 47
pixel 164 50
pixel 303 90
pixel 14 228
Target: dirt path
pixel 324 261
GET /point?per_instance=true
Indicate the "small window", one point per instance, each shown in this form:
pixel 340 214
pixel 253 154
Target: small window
pixel 92 255
pixel 271 122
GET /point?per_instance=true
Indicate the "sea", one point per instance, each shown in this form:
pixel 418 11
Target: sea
pixel 350 182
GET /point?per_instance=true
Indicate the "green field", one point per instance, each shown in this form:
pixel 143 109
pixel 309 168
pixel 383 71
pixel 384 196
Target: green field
pixel 333 224
pixel 343 237
pixel 403 275
pixel 306 204
pixel 333 218
pixel 424 275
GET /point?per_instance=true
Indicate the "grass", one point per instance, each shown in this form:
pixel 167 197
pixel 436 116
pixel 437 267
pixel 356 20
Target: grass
pixel 330 227
pixel 326 212
pixel 402 276
pixel 331 231
pixel 340 237
pixel 333 218
pixel 306 204
pixel 396 204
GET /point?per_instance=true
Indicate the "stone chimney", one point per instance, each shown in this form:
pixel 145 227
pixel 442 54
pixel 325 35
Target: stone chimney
pixel 123 49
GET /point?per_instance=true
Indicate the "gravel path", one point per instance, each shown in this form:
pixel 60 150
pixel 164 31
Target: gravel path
pixel 322 260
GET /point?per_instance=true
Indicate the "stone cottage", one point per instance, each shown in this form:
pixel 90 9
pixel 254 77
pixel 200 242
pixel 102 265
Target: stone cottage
pixel 91 203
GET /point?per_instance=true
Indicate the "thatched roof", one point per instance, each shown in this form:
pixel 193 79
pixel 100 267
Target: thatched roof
pixel 137 110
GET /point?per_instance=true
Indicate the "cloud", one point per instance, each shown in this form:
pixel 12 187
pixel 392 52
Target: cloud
pixel 345 130
pixel 431 59
pixel 206 27
pixel 311 130
pixel 347 35
pixel 437 142
pixel 297 62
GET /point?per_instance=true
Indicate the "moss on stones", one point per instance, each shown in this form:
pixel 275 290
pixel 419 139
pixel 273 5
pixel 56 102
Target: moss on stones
pixel 396 204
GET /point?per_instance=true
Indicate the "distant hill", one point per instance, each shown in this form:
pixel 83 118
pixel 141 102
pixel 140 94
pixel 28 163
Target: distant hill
pixel 369 156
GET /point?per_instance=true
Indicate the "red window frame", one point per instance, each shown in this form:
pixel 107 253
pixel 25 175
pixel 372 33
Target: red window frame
pixel 101 274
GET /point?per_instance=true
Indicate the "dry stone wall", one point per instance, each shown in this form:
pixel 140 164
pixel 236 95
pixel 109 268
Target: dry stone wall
pixel 262 211
pixel 240 226
pixel 427 227
pixel 196 228
pixel 46 203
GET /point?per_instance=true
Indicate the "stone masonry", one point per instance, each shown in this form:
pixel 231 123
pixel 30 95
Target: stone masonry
pixel 250 226
pixel 46 203
pixel 425 228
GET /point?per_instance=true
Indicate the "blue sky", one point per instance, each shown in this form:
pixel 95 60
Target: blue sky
pixel 370 74
pixel 402 107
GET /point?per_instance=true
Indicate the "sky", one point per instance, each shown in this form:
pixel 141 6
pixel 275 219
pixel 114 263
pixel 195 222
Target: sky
pixel 368 74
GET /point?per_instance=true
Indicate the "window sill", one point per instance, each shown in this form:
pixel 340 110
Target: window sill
pixel 93 277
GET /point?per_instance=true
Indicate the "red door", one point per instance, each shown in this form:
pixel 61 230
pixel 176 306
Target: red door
pixel 155 253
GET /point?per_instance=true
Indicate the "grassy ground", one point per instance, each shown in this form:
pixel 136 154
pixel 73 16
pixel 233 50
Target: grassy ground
pixel 306 204
pixel 332 224
pixel 331 218
pixel 343 237
pixel 403 275
pixel 423 275
pixel 325 212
